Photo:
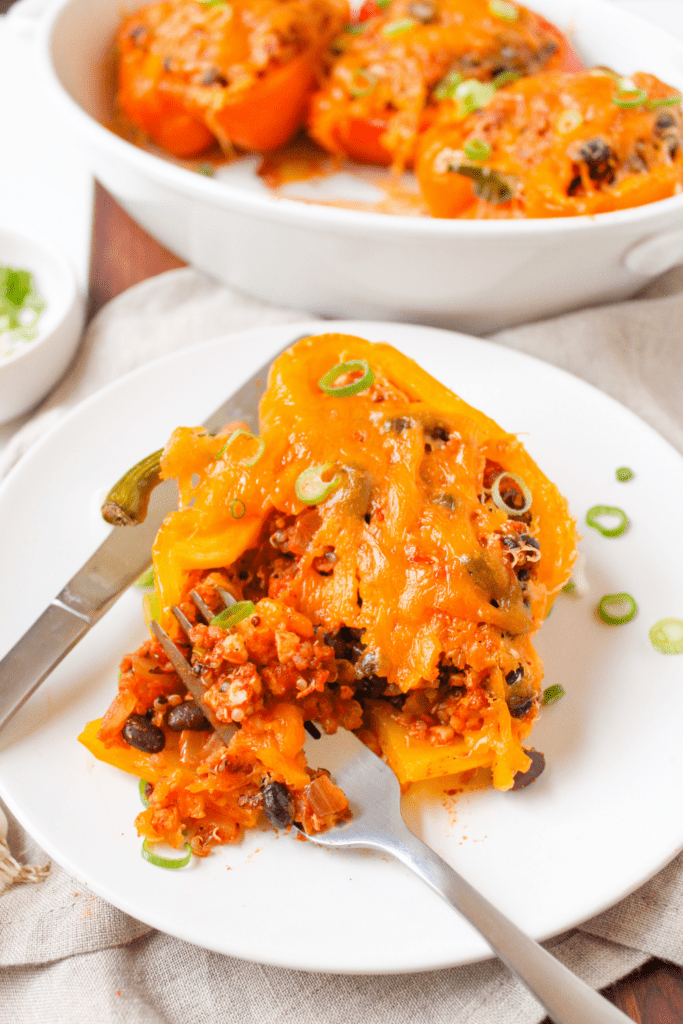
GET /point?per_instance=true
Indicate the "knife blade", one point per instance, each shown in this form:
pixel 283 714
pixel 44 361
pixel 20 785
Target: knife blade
pixel 110 570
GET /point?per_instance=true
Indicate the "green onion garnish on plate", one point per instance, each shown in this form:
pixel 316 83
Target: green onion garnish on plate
pixel 553 693
pixel 500 502
pixel 166 862
pixel 229 617
pixel 624 474
pixel 594 514
pixel 310 487
pixel 666 636
pixel 616 609
pixel 326 382
pixel 261 447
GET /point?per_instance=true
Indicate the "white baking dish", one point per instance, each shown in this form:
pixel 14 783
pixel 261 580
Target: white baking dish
pixel 474 275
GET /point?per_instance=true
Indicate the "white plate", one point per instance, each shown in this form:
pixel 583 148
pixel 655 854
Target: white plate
pixel 605 815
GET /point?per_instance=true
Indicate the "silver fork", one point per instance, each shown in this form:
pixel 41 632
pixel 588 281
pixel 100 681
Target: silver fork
pixel 374 795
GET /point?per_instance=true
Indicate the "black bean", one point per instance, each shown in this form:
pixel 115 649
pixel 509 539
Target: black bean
pixel 530 541
pixel 523 779
pixel 140 733
pixel 446 673
pixel 437 433
pixel 149 789
pixel 399 424
pixel 312 730
pixel 277 804
pixel 187 715
pixel 346 643
pixel 518 708
pixel 664 121
pixel 575 185
pixel 371 687
pixel 509 542
pixel 601 160
pixel 168 63
pixel 212 76
pixel 514 677
pixel 523 575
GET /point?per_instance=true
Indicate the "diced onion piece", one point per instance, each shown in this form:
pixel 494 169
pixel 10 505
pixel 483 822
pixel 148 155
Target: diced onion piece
pixel 324 798
pixel 615 602
pixel 229 617
pixel 666 636
pixel 593 519
pixel 624 474
pixel 498 498
pixel 503 9
pixel 553 693
pixel 166 862
pixel 310 486
pixel 141 789
pixel 477 149
pixel 326 382
pixel 237 508
pixel 244 433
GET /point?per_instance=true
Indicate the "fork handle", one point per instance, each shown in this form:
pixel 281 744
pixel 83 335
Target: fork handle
pixel 568 999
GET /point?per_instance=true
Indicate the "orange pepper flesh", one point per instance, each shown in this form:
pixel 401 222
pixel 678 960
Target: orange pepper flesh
pixel 432 590
pixel 536 131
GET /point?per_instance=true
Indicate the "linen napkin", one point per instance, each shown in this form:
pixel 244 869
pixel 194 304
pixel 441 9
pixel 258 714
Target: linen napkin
pixel 69 957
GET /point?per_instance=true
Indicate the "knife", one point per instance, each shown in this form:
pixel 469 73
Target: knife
pixel 114 566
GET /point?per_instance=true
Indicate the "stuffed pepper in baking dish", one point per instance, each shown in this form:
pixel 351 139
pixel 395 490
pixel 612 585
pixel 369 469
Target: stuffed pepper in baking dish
pixel 191 72
pixel 389 74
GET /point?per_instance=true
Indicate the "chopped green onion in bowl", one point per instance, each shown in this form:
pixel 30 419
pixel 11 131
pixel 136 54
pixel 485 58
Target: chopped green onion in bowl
pixel 20 308
pixel 666 636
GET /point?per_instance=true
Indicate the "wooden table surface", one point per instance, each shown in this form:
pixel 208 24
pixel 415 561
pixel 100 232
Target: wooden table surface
pixel 123 254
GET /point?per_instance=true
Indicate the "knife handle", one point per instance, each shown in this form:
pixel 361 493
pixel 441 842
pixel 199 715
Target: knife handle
pixel 23 669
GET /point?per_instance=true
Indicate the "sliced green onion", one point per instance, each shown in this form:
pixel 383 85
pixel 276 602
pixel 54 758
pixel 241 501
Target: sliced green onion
pixel 20 305
pixel 362 83
pixel 208 170
pixel 628 95
pixel 569 120
pixel 473 95
pixel 624 474
pixel 445 90
pixel 608 609
pixel 666 636
pixel 477 149
pixel 553 693
pixel 503 9
pixel 504 78
pixel 146 580
pixel 229 617
pixel 382 3
pixel 244 433
pixel 237 508
pixel 166 862
pixel 326 382
pixel 215 3
pixel 141 789
pixel 151 607
pixel 593 519
pixel 397 28
pixel 356 30
pixel 310 486
pixel 668 101
pixel 498 499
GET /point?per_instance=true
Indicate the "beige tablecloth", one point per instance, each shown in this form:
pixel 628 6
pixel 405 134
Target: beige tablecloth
pixel 70 958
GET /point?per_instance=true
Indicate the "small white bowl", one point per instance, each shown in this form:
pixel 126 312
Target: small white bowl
pixel 34 368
